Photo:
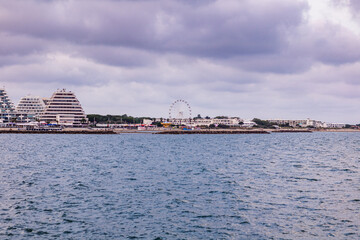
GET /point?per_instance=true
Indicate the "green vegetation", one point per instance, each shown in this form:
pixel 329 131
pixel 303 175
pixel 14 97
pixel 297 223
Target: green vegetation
pixel 198 117
pixel 223 126
pixel 219 126
pixel 263 123
pixel 158 124
pixel 115 119
pixel 286 125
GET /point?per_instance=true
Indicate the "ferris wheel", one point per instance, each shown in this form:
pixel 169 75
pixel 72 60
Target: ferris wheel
pixel 180 109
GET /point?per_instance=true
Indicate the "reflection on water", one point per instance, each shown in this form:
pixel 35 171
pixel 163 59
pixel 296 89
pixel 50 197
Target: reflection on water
pixel 282 186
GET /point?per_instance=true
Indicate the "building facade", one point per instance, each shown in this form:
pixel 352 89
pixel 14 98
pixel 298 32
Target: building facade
pixel 30 108
pixel 64 108
pixel 7 108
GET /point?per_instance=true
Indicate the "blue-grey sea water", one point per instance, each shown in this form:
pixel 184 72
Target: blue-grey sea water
pixel 144 186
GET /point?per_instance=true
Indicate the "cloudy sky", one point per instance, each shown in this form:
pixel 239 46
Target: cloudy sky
pixel 290 59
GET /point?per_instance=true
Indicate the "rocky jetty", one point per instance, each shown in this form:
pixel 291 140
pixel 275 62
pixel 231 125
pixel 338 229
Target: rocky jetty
pixel 292 131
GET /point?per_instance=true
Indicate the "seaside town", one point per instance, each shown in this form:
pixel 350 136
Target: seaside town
pixel 63 111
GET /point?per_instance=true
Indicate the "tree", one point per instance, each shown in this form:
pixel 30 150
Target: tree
pixel 263 123
pixel 117 119
pixel 158 124
pixel 198 117
pixel 223 126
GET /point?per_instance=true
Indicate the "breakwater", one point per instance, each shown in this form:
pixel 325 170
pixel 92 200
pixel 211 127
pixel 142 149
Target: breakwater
pixel 292 131
pixel 213 132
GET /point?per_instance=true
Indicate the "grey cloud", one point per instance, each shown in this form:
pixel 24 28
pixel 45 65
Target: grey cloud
pixel 205 30
pixel 355 4
pixel 11 44
pixel 337 46
pixel 116 56
pixel 259 37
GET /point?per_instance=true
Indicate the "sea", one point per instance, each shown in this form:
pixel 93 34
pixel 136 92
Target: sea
pixel 145 186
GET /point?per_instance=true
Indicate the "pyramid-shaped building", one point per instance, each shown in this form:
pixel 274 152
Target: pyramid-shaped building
pixel 64 108
pixel 7 108
pixel 31 107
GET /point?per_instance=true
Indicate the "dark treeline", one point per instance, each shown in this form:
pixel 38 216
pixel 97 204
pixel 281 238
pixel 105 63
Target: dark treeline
pixel 115 119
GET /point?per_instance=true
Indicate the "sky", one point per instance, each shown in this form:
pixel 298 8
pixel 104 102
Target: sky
pixel 270 59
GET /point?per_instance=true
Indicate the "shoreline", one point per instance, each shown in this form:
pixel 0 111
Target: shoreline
pixel 169 131
pixel 16 131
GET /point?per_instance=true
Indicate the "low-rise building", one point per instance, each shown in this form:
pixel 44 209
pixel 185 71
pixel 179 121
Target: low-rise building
pixel 147 121
pixel 248 124
pixel 334 125
pixel 291 123
pixel 226 121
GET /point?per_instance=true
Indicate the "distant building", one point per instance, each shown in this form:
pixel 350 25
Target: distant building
pixel 203 122
pixel 334 125
pixel 248 124
pixel 64 108
pixel 7 108
pixel 297 123
pixel 147 121
pixel 217 121
pixel 30 108
pixel 226 121
pixel 307 123
pixel 291 123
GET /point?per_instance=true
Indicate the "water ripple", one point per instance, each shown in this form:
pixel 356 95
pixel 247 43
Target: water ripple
pixel 277 186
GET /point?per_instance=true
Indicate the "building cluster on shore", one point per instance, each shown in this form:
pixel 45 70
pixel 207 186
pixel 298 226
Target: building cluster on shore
pixel 62 108
pixel 239 122
pixel 306 123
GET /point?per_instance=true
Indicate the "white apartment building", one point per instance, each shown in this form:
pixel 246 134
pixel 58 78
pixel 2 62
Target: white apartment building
pixel 292 123
pixel 203 122
pixel 64 108
pixel 334 125
pixel 30 108
pixel 248 123
pixel 7 108
pixel 226 121
pixel 217 121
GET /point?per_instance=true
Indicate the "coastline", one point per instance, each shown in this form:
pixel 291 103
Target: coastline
pixel 167 131
pixel 65 131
